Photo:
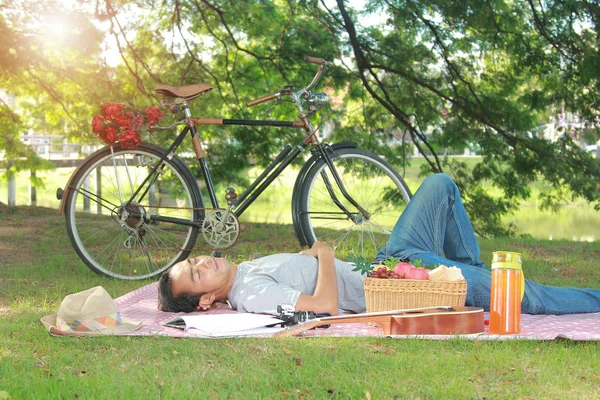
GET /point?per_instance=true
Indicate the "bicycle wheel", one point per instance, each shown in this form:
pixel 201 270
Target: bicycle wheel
pixel 129 241
pixel 372 183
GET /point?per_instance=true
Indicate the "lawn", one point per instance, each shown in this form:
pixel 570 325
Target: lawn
pixel 38 268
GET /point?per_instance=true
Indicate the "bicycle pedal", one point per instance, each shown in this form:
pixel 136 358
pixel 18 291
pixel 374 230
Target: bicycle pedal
pixel 216 253
pixel 230 195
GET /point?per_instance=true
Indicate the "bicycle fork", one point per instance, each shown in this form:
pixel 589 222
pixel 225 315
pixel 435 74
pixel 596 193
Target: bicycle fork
pixel 365 214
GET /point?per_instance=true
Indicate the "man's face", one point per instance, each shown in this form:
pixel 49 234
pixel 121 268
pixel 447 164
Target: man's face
pixel 200 275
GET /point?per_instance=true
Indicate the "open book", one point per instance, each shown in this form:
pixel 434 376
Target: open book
pixel 226 325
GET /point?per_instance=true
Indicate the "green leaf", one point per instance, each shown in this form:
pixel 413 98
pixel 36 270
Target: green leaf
pixel 362 264
pixel 391 262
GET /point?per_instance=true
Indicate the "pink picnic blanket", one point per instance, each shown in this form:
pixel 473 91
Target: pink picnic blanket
pixel 141 305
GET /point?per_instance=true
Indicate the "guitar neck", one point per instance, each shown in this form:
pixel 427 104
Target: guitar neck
pixel 381 318
pixel 339 318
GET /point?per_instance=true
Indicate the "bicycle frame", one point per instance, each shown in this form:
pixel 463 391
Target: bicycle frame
pixel 273 170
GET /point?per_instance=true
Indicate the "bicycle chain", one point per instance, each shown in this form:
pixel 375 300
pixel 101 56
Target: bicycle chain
pixel 203 230
pixel 181 208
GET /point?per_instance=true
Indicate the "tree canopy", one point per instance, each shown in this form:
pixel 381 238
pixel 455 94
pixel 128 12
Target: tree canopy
pixel 483 74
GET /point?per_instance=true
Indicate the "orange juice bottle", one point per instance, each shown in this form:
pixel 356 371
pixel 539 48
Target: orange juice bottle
pixel 508 287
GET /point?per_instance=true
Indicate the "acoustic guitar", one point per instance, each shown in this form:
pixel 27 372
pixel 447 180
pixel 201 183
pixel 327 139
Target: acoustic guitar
pixel 415 321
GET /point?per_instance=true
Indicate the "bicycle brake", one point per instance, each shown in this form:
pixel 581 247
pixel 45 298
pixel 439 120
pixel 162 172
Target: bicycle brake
pixel 279 101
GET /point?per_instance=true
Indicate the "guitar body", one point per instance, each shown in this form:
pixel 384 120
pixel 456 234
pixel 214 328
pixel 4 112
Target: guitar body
pixel 424 321
pixel 460 321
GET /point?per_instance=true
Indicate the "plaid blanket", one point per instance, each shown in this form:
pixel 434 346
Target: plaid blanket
pixel 141 305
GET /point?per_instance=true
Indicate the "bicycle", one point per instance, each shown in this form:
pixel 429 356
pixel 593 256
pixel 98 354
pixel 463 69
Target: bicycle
pixel 150 210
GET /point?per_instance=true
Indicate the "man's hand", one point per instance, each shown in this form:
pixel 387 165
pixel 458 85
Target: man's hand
pixel 318 249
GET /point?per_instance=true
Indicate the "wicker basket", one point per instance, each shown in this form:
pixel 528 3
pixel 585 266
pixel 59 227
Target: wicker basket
pixel 397 294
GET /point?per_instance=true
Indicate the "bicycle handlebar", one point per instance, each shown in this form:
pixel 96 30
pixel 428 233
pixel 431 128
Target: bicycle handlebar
pixel 314 60
pixel 261 100
pixel 285 91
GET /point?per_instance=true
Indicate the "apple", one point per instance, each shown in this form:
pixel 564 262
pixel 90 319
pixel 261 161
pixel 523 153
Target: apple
pixel 420 274
pixel 401 268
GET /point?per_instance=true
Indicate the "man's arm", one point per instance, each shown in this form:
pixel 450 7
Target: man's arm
pixel 325 297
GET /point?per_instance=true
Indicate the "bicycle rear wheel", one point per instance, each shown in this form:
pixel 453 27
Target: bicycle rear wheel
pixel 372 183
pixel 126 241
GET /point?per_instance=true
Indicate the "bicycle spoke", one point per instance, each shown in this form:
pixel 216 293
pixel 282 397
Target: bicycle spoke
pixel 93 197
pixel 372 184
pixel 120 242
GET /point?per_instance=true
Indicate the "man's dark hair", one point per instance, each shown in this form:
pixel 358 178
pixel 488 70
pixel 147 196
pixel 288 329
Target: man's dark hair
pixel 186 302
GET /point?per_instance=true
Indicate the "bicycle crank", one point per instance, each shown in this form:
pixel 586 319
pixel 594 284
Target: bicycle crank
pixel 221 229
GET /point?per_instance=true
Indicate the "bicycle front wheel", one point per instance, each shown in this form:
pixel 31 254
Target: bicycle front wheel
pixel 326 214
pixel 135 239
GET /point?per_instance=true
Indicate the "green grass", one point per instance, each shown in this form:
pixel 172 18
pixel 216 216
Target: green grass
pixel 38 268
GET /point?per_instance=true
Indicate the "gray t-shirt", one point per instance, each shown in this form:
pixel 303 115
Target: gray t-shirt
pixel 263 284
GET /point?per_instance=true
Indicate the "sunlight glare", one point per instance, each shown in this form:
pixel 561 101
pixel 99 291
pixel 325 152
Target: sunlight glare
pixel 56 29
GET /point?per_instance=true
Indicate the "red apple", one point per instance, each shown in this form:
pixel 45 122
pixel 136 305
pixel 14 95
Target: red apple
pixel 401 268
pixel 420 274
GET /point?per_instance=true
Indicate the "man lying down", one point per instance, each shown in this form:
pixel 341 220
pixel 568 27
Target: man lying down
pixel 434 223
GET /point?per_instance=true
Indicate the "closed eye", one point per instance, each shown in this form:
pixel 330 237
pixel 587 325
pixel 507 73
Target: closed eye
pixel 191 271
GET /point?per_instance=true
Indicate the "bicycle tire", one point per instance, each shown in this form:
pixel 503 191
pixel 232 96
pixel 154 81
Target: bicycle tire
pixel 372 182
pixel 126 243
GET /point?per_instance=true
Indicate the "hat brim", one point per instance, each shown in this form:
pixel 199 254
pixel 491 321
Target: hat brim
pixel 126 326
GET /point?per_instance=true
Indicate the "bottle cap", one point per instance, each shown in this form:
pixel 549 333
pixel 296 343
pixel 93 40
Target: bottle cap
pixel 509 260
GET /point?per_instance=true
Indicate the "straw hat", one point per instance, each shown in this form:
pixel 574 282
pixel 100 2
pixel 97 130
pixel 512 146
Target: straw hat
pixel 91 312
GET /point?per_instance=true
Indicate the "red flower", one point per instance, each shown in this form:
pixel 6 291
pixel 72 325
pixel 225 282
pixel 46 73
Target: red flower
pixel 124 121
pixel 97 123
pixel 130 139
pixel 111 111
pixel 109 135
pixel 118 122
pixel 154 114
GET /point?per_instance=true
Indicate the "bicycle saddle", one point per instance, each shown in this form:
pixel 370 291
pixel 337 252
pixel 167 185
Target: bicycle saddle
pixel 187 92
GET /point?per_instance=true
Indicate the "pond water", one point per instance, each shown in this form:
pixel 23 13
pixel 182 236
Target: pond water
pixel 578 222
pixel 574 222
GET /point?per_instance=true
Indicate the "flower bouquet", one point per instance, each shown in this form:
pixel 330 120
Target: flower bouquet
pixel 123 123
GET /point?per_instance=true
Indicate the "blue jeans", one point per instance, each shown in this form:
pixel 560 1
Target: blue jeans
pixel 436 229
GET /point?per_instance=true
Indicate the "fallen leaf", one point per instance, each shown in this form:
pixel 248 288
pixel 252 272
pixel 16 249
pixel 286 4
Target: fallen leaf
pixel 298 362
pixel 368 395
pixel 288 351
